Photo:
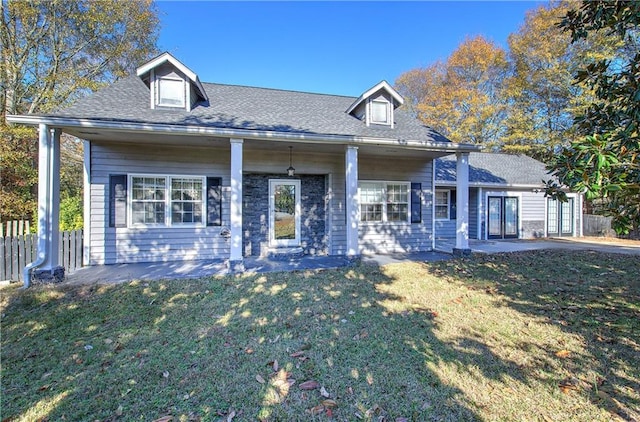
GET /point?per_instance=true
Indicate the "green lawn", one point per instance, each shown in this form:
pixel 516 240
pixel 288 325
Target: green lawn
pixel 540 336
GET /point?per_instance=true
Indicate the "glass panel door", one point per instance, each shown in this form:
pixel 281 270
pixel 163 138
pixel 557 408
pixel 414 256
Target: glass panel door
pixel 511 217
pixel 495 217
pixel 284 212
pixel 552 217
pixel 566 219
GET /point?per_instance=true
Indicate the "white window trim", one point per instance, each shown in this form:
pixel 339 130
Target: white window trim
pixel 435 205
pixel 167 201
pixel 184 92
pixel 369 112
pixel 384 184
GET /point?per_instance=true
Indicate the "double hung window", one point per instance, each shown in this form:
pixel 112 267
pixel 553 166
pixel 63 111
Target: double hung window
pixel 166 200
pixel 384 201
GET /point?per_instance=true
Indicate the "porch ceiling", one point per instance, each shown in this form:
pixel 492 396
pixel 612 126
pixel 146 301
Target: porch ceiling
pixel 299 147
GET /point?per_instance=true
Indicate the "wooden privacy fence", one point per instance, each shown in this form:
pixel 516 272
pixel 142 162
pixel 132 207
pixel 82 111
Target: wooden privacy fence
pixel 18 251
pixel 597 225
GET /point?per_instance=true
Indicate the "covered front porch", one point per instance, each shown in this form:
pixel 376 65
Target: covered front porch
pixel 343 165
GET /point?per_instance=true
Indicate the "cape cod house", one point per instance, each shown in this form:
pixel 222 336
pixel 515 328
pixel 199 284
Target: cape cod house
pixel 177 169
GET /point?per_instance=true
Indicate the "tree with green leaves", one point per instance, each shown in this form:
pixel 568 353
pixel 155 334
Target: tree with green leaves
pixel 605 161
pixel 51 53
pixel 461 97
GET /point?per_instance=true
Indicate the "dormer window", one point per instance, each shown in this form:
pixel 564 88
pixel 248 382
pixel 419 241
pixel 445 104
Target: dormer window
pixel 171 84
pixel 376 105
pixel 379 112
pixel 171 92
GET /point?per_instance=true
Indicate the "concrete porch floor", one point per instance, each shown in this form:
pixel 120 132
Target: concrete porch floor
pixel 120 273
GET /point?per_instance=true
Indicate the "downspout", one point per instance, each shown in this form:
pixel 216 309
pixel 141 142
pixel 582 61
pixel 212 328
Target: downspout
pixel 44 168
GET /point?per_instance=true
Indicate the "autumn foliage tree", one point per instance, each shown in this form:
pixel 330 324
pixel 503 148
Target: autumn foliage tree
pixel 461 97
pixel 51 53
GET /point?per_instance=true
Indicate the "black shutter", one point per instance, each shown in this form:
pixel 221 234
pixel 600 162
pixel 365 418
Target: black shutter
pixel 118 200
pixel 214 201
pixel 453 198
pixel 416 203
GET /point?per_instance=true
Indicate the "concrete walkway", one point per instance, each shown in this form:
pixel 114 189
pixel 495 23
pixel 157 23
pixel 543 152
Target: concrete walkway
pixel 517 245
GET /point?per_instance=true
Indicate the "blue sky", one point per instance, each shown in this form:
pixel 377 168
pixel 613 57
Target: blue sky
pixel 334 47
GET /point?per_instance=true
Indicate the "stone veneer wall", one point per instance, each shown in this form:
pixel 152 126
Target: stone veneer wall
pixel 255 213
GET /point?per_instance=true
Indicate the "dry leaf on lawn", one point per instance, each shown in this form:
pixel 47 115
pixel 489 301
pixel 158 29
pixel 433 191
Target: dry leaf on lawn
pixel 164 419
pixel 260 379
pixel 563 353
pixel 316 410
pixel 328 403
pixel 309 385
pixel 323 392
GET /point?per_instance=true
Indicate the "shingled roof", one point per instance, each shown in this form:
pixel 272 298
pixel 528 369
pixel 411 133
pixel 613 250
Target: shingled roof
pixel 243 107
pixel 494 168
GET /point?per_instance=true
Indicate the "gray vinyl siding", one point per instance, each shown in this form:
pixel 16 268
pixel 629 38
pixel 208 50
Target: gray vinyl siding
pixel 111 245
pixel 382 237
pixel 533 210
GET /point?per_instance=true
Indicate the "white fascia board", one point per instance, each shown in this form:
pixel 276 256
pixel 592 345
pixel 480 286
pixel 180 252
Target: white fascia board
pixel 167 57
pixel 63 122
pixel 381 85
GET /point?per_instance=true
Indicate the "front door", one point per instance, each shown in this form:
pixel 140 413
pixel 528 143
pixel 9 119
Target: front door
pixel 559 217
pixel 503 217
pixel 284 213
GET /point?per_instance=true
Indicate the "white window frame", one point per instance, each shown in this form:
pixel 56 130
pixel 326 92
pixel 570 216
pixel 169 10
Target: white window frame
pixel 436 205
pixel 385 203
pixel 387 121
pixel 183 97
pixel 167 201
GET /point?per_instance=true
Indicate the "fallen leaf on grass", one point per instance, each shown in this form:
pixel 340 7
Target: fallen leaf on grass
pixel 328 403
pixel 164 419
pixel 323 392
pixel 563 353
pixel 316 410
pixel 401 419
pixel 260 379
pixel 297 354
pixel 119 410
pixel 309 385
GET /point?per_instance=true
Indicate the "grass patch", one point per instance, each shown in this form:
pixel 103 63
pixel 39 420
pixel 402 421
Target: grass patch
pixel 544 335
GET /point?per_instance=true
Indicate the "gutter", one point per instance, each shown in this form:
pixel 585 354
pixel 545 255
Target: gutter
pixel 44 168
pixel 238 133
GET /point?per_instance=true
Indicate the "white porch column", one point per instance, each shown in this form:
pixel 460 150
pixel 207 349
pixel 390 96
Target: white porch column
pixel 86 244
pixel 53 254
pixel 46 267
pixel 462 204
pixel 235 254
pixel 352 208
